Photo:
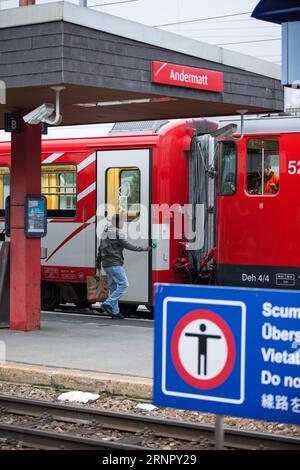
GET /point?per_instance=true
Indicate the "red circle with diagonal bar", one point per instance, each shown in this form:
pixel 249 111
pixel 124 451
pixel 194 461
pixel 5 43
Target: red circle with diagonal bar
pixel 226 331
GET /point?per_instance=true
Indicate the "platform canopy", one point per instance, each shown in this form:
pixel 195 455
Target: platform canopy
pixel 106 64
pixel 277 11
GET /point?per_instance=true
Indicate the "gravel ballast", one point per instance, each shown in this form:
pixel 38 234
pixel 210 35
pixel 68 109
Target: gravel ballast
pixel 124 404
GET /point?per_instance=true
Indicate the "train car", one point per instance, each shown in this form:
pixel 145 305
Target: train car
pixel 247 190
pixel 258 205
pixel 87 178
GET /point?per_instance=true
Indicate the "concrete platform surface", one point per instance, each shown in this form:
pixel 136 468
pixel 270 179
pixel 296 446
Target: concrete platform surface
pixel 73 379
pixel 84 342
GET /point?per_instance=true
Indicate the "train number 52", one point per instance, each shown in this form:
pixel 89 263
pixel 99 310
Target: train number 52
pixel 294 168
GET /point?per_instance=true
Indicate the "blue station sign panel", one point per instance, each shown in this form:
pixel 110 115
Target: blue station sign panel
pixel 35 216
pixel 228 351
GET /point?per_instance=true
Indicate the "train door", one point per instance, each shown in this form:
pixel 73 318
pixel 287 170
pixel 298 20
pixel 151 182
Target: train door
pixel 123 186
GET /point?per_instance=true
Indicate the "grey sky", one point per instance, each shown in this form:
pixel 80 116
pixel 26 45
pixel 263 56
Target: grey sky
pixel 241 30
pixel 228 30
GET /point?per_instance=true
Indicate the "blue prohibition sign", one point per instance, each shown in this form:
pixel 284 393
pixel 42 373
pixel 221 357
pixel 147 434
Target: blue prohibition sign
pixel 228 351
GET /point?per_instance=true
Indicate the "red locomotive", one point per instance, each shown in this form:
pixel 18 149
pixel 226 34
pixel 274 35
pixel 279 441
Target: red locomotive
pixel 258 217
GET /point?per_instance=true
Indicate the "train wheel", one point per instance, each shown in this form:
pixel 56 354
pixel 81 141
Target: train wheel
pixel 50 296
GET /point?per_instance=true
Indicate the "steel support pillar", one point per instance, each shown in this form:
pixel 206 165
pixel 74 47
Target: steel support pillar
pixel 25 263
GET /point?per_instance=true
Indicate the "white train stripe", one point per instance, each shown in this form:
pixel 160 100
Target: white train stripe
pixel 86 191
pixel 54 156
pixel 91 220
pixel 87 161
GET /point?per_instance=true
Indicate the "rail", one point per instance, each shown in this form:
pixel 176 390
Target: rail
pixel 124 422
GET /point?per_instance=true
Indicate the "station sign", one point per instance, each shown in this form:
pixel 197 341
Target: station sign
pixel 228 351
pixel 188 77
pixel 12 123
pixel 35 216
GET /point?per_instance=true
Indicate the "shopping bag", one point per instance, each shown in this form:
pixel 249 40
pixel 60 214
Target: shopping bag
pixel 97 288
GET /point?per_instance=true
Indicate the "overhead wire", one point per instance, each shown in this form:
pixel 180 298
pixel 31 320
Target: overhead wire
pixel 202 19
pixel 111 3
pixel 231 36
pixel 232 21
pixel 248 42
pixel 227 29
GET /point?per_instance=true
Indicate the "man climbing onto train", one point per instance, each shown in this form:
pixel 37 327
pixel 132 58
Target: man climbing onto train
pixel 110 257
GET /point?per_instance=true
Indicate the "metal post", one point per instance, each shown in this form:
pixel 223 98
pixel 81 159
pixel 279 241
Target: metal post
pixel 83 3
pixel 219 432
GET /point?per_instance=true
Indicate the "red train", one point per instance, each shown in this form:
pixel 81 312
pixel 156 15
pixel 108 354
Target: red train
pixel 245 234
pixel 258 229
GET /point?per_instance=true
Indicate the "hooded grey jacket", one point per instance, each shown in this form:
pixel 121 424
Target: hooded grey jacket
pixel 113 242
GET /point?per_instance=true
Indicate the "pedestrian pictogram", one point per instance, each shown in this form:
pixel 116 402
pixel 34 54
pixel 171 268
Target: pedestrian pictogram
pixel 202 345
pixel 203 349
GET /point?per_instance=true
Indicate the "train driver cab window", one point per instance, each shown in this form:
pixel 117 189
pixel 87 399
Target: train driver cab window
pixel 4 188
pixel 262 167
pixel 59 185
pixel 123 192
pixel 228 168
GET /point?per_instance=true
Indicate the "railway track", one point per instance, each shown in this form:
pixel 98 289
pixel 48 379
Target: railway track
pixel 132 425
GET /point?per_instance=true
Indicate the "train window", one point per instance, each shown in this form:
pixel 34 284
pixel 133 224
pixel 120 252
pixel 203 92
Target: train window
pixel 262 167
pixel 4 187
pixel 228 168
pixel 123 192
pixel 59 185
